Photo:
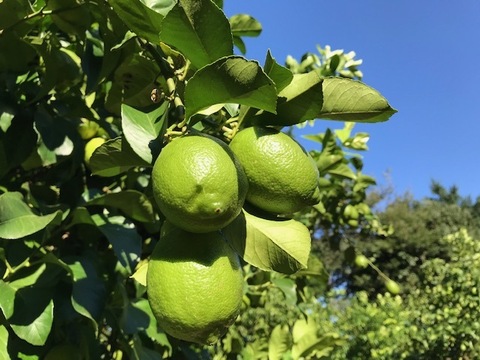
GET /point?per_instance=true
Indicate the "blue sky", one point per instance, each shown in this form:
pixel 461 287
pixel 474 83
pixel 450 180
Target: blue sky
pixel 423 56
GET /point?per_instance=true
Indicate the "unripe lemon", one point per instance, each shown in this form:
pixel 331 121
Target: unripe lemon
pixel 91 146
pixel 361 261
pixel 392 287
pixel 198 184
pixel 350 212
pixel 282 176
pixel 87 129
pixel 194 285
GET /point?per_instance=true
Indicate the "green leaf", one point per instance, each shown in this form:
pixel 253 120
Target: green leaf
pixel 132 203
pixel 53 134
pixel 7 300
pixel 4 343
pixel 363 182
pixel 114 157
pixel 279 74
pixel 80 215
pixel 140 18
pixel 289 289
pixel 344 134
pixel 126 244
pixel 309 97
pixel 279 245
pixel 153 330
pixel 88 293
pixel 230 80
pixel 279 343
pixel 28 309
pixel 35 331
pixel 304 335
pixel 140 275
pixel 134 318
pixel 352 100
pixel 143 129
pixel 198 29
pixel 240 44
pixel 342 170
pixel 17 219
pixel 160 6
pixel 245 25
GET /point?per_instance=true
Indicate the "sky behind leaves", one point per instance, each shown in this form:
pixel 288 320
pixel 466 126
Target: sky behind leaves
pixel 422 56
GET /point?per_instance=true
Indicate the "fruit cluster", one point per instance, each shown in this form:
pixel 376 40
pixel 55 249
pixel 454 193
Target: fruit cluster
pixel 194 279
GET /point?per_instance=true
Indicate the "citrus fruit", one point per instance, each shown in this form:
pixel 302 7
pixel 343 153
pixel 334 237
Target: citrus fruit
pixel 87 129
pixel 198 184
pixel 91 146
pixel 282 176
pixel 392 287
pixel 194 284
pixel 361 261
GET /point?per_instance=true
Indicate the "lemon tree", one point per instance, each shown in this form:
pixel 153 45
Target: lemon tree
pixel 119 115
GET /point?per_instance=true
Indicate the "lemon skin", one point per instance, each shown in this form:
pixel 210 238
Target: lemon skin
pixel 198 183
pixel 194 285
pixel 282 176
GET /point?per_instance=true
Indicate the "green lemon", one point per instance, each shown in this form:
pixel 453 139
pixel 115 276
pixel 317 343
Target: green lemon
pixel 361 261
pixel 350 212
pixel 198 184
pixel 62 352
pixel 194 284
pixel 91 146
pixel 392 287
pixel 282 176
pixel 87 129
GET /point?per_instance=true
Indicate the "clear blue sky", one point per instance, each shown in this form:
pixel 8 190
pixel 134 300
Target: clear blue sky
pixel 423 56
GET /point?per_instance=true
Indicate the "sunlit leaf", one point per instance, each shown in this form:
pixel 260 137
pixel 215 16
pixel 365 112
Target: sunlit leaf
pixel 279 74
pixel 245 25
pixel 143 129
pixel 114 157
pixel 4 343
pixel 35 331
pixel 145 21
pixel 279 343
pixel 199 29
pixel 230 80
pixel 140 275
pixel 289 289
pixel 18 220
pixel 280 245
pixel 310 96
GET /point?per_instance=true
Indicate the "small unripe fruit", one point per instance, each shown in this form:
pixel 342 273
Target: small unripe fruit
pixel 361 261
pixel 87 129
pixel 392 287
pixel 352 222
pixel 350 212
